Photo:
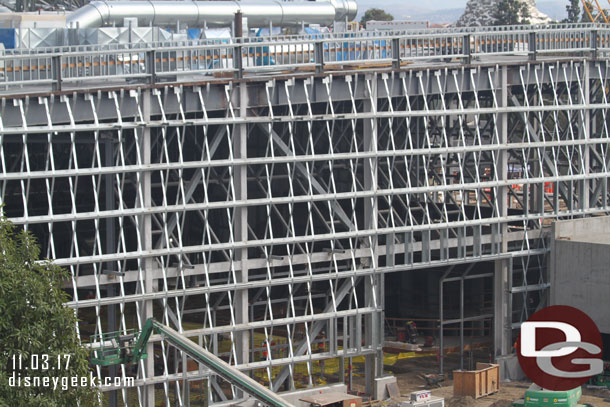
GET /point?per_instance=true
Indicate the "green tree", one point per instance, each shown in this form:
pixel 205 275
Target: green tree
pixel 376 14
pixel 511 12
pixel 573 10
pixel 37 329
pixel 589 13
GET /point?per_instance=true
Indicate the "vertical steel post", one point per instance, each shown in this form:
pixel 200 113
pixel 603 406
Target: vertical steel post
pixel 147 243
pixel 532 46
pixel 240 149
pixel 319 56
pixel 56 69
pixel 501 341
pixel 372 289
pixel 110 248
pixel 586 131
pixel 502 322
pixel 151 62
pixel 396 53
pixel 441 317
pixel 467 51
pixel 238 24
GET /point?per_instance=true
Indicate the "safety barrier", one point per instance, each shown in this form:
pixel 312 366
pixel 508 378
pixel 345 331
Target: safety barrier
pixel 163 61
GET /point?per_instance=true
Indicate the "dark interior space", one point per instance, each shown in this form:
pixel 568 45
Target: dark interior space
pixel 606 349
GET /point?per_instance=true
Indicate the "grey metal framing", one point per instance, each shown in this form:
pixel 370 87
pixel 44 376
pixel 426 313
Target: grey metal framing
pixel 273 207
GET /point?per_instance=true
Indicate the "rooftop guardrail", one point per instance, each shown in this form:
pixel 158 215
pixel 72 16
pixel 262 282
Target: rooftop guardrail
pixel 162 61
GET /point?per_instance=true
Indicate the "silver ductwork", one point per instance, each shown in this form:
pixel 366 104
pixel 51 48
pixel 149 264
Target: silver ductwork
pixel 212 13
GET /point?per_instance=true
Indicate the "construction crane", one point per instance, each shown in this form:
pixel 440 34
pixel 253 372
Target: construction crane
pixel 129 347
pixel 595 12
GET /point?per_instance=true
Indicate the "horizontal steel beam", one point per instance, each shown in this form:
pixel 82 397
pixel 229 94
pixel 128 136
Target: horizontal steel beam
pixel 224 121
pixel 289 159
pixel 468 319
pixel 468 277
pixel 295 280
pixel 177 251
pixel 528 288
pixel 294 260
pixel 473 186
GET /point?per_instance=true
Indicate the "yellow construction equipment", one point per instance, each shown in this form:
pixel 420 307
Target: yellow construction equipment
pixel 595 12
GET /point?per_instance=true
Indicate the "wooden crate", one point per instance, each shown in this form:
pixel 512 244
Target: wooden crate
pixel 477 383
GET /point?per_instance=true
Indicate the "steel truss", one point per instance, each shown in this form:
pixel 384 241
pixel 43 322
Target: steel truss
pixel 273 209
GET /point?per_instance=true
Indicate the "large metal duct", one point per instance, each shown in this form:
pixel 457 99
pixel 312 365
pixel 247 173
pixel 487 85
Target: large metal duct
pixel 260 13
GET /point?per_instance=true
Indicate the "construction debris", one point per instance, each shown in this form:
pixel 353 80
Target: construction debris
pixel 433 380
pixel 458 401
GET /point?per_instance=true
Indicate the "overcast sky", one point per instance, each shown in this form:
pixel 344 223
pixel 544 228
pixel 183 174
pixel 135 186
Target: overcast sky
pixel 430 4
pixel 451 9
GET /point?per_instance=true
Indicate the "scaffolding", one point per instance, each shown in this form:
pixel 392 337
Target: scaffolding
pixel 271 208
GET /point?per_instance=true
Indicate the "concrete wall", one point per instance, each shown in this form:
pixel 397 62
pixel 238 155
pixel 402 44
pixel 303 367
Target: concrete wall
pixel 580 267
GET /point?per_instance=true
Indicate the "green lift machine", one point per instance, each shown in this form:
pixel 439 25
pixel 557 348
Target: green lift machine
pixel 536 396
pixel 128 347
pixel 602 379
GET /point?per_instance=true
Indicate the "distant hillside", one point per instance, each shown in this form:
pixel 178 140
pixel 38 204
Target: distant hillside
pixel 406 10
pixel 438 16
pixel 400 9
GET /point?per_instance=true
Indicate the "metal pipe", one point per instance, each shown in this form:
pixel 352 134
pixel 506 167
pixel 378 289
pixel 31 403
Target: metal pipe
pixel 260 13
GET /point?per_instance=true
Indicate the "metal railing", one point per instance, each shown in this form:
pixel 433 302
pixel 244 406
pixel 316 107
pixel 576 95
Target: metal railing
pixel 154 62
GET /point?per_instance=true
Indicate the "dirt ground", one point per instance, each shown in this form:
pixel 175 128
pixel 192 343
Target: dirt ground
pixel 513 391
pixel 408 374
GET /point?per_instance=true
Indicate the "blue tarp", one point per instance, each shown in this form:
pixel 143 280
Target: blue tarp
pixel 309 30
pixel 264 32
pixel 7 37
pixel 194 33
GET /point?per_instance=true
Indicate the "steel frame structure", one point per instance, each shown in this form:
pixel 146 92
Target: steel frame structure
pixel 274 206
